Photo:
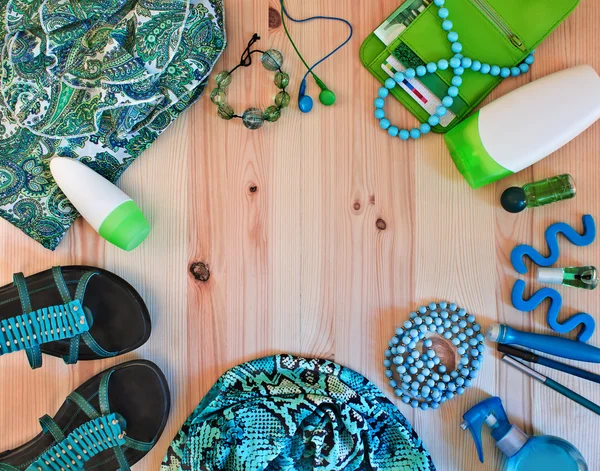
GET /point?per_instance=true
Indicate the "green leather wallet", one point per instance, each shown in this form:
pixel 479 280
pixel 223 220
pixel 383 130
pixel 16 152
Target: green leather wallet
pixel 499 32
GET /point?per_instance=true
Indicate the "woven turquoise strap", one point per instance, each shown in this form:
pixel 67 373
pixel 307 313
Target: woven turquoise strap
pixel 81 445
pixel 50 324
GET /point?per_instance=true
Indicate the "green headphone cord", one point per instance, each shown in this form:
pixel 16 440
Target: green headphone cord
pixel 287 33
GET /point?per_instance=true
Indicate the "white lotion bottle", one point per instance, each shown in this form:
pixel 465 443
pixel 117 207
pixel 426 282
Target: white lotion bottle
pixel 111 213
pixel 526 125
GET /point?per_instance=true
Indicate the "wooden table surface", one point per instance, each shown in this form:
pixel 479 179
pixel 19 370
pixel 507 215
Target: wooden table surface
pixel 321 234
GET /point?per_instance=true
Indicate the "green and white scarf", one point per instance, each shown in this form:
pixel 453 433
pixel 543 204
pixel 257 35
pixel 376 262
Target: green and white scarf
pixel 97 81
pixel 286 413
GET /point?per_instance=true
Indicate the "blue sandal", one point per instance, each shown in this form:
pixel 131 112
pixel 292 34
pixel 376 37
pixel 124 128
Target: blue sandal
pixel 76 312
pixel 109 423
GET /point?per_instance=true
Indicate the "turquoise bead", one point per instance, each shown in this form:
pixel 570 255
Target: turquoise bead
pixel 455 342
pixel 460 381
pixel 415 133
pixel 494 71
pixel 504 72
pixel 462 324
pixel 410 73
pixel 466 63
pixel 414 404
pixel 462 313
pixel 443 13
pixel 412 370
pixel 443 64
pixel 485 68
pixel 388 353
pixel 408 324
pixel 444 314
pixel 453 306
pixel 443 305
pixel 453 37
pixel 379 103
pixel 419 364
pixel 431 67
pixel 454 317
pixel 421 70
pixel 469 332
pixel 384 123
pixel 459 71
pixel 388 374
pixel 399 331
pixel 398 360
pixel 457 81
pixel 428 343
pixel 405 399
pixel 387 363
pixel 383 92
pixel 453 91
pixel 425 128
pixel 437 321
pixel 401 369
pixel 515 71
pixel 418 320
pixel 433 121
pixel 447 25
pixel 399 77
pixel 457 47
pixel 390 83
pixel 401 349
pixel 425 390
pixel 441 111
pixel 455 62
pixel 414 333
pixel 434 406
pixel 476 327
pixel 447 335
pixel 422 309
pixel 404 135
pixel 462 336
pixel 524 68
pixel 393 383
pixel 393 131
pixel 447 324
pixel 379 113
pixel 530 59
pixel 439 3
pixel 424 406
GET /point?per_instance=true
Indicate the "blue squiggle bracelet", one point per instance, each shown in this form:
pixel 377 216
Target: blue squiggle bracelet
pixel 552 233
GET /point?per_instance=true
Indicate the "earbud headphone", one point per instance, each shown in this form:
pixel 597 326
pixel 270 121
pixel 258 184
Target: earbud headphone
pixel 326 97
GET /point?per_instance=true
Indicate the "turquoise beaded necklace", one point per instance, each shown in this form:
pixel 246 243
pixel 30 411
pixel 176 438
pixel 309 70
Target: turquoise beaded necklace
pixel 458 64
pixel 414 370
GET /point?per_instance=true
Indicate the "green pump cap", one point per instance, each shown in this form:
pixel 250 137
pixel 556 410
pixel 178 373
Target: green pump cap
pixel 126 227
pixel 470 155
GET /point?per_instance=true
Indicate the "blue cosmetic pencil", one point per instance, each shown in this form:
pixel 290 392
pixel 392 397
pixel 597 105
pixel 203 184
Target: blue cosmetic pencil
pixel 559 388
pixel 533 358
pixel 557 346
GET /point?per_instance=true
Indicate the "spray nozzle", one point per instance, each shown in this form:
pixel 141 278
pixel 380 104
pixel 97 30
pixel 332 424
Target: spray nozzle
pixel 492 414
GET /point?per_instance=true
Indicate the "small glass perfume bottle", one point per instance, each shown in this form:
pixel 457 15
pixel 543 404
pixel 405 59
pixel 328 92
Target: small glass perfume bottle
pixel 551 190
pixel 577 277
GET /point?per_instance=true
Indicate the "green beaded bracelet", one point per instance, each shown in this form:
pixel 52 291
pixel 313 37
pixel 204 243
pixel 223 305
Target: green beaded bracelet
pixel 254 118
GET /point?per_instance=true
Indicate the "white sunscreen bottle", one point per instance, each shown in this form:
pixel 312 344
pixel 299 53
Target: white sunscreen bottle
pixel 111 213
pixel 525 126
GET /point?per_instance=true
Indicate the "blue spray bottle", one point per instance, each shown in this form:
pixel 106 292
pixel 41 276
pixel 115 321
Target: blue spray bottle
pixel 525 453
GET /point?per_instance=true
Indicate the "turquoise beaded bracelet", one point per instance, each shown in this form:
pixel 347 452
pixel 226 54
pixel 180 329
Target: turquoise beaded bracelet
pixel 254 118
pixel 412 366
pixel 459 64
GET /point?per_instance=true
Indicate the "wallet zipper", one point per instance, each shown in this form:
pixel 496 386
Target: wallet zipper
pixel 488 11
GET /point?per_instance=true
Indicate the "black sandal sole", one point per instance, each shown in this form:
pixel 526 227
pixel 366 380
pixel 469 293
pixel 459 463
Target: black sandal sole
pixel 137 390
pixel 121 319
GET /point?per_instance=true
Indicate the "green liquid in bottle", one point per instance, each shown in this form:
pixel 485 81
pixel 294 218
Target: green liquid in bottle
pixel 580 277
pixel 549 191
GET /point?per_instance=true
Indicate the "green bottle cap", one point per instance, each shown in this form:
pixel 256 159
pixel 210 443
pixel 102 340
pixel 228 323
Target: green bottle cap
pixel 470 155
pixel 126 227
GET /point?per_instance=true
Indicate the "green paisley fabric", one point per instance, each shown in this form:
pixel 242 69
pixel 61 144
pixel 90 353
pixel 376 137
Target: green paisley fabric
pixel 97 81
pixel 296 414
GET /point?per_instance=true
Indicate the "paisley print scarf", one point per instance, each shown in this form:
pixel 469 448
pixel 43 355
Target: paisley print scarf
pixel 296 414
pixel 97 81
